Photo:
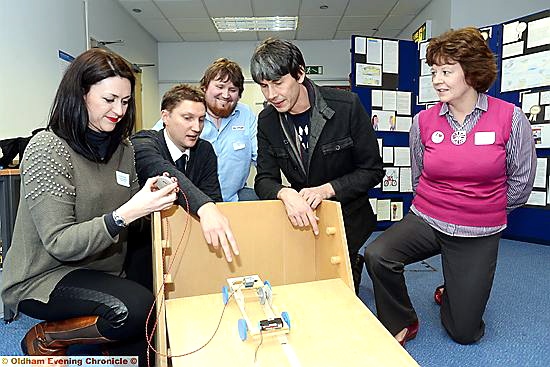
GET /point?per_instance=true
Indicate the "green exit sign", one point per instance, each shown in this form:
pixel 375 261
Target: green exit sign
pixel 314 70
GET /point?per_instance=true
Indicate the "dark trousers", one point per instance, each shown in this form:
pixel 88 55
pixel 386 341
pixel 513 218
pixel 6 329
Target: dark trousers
pixel 121 304
pixel 468 264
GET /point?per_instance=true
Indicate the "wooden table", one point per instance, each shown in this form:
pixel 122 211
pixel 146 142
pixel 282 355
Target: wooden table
pixel 330 326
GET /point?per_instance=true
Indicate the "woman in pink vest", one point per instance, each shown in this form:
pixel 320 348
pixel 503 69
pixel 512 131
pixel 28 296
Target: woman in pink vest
pixel 473 161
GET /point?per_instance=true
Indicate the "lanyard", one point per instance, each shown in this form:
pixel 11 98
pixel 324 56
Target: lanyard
pixel 296 146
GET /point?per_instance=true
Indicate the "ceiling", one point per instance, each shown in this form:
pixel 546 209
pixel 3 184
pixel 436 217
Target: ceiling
pixel 189 20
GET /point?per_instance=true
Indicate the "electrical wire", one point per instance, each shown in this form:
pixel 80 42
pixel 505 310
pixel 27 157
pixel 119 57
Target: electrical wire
pixel 165 272
pixel 259 345
pixel 215 331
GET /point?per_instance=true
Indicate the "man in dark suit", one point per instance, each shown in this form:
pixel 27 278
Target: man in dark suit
pixel 178 151
pixel 321 139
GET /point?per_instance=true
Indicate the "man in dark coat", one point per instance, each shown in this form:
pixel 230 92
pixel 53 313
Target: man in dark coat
pixel 321 139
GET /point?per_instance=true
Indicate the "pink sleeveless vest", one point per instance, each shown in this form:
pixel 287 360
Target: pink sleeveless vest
pixel 465 184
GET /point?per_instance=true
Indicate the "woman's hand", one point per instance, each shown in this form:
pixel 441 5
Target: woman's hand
pixel 147 200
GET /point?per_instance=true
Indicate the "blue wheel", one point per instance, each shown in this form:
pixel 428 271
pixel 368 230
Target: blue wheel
pixel 266 282
pixel 225 294
pixel 286 317
pixel 242 329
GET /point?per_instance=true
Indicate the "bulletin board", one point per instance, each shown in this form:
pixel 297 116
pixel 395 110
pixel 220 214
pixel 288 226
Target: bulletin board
pixel 522 47
pixel 384 74
pixel 524 80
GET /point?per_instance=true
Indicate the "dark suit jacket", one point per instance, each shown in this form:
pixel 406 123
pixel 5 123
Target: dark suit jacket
pixel 199 182
pixel 343 150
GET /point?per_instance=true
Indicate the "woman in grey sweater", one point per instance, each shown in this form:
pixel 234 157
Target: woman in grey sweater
pixel 79 191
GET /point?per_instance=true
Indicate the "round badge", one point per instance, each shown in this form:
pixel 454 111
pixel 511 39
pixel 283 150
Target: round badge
pixel 458 137
pixel 437 137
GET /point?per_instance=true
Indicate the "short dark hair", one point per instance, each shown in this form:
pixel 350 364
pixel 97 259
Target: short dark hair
pixel 224 70
pixel 179 93
pixel 69 115
pixel 467 47
pixel 275 58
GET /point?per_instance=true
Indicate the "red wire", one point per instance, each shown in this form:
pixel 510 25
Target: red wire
pixel 165 271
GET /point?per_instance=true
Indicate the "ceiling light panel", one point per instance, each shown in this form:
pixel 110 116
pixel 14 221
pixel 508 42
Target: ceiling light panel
pixel 255 24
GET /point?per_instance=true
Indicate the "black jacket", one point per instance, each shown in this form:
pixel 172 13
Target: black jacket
pixel 343 150
pixel 199 182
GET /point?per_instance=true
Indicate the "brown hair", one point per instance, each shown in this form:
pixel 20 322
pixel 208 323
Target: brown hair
pixel 224 70
pixel 467 47
pixel 180 93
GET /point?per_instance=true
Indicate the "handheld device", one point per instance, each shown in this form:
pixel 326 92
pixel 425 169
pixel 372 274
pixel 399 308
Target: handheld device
pixel 163 181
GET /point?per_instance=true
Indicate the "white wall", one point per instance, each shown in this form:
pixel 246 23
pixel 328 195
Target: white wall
pixel 185 62
pixel 438 11
pixel 447 14
pixel 32 32
pixel 480 13
pixel 109 21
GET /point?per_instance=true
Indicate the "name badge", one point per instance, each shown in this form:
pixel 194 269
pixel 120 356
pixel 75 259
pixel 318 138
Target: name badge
pixel 123 179
pixel 484 138
pixel 238 146
pixel 237 128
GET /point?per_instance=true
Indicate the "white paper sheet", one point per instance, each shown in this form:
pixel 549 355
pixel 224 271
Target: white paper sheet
pixel 512 49
pixel 374 205
pixel 389 100
pixel 527 71
pixel 402 156
pixel 538 32
pixel 541 134
pixel 422 47
pixel 380 146
pixel 360 45
pixel 386 120
pixel 383 210
pixel 403 101
pixel 547 113
pixel 390 182
pixel 511 32
pixel 541 173
pixel 425 69
pixel 405 179
pixel 376 98
pixel 368 74
pixel 536 198
pixel 396 211
pixel 374 51
pixel 390 57
pixel 426 91
pixel 545 97
pixel 403 123
pixel 529 100
pixel 387 154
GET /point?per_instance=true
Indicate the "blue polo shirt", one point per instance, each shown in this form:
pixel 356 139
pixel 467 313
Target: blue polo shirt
pixel 236 146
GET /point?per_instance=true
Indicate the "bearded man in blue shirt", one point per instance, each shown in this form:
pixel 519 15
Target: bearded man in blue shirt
pixel 230 126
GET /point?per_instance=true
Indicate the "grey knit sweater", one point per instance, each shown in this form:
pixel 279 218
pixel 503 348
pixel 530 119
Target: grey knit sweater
pixel 59 225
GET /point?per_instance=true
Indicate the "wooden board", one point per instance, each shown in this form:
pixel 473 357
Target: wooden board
pixel 269 246
pixel 330 326
pixel 186 267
